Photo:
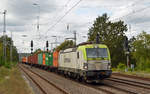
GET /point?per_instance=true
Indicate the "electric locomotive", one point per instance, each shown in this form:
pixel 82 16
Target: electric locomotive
pixel 86 62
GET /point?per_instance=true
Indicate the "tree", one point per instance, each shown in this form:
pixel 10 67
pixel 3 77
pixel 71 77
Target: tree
pixel 141 50
pixel 112 34
pixel 66 44
pixel 14 50
pixel 132 50
pixel 37 51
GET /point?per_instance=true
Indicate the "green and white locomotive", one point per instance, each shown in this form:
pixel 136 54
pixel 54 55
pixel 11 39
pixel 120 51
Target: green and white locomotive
pixel 86 62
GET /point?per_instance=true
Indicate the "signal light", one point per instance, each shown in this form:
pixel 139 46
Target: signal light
pixel 47 44
pixel 31 43
pixel 126 43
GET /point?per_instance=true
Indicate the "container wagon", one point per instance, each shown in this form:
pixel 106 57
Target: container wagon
pixel 45 60
pixel 55 60
pixel 29 60
pixel 40 59
pixel 35 59
pixel 24 60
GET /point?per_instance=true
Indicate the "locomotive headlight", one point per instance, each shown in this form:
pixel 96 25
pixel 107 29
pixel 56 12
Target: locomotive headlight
pixel 109 65
pixel 85 65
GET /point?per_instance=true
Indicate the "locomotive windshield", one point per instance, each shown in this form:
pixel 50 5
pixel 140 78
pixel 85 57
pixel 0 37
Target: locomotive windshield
pixel 96 52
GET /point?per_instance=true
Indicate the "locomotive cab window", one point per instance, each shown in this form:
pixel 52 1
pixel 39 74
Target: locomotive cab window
pixel 96 53
pixel 78 55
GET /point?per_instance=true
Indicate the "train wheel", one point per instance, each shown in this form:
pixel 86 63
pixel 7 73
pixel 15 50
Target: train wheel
pixel 79 78
pixel 85 79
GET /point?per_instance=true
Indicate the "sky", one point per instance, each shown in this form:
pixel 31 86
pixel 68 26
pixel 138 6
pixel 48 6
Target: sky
pixel 56 15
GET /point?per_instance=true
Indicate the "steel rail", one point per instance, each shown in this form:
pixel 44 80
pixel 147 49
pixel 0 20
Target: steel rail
pixel 63 91
pixel 43 91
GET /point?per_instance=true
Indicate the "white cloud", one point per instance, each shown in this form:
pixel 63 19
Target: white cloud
pixel 22 18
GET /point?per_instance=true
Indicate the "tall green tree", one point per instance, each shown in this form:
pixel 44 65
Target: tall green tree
pixel 14 50
pixel 141 51
pixel 111 34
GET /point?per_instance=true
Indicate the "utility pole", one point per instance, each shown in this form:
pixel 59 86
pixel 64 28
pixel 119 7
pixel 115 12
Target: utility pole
pixel 56 41
pixel 75 38
pixel 4 36
pixel 52 47
pixel 11 44
pixel 128 65
pixel 127 51
pixel 38 18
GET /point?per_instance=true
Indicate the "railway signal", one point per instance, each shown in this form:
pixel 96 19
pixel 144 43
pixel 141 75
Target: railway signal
pixel 47 45
pixel 126 47
pixel 97 38
pixel 31 46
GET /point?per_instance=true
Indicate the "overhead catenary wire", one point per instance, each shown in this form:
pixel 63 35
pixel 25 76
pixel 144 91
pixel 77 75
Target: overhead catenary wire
pixel 71 9
pixel 63 16
pixel 133 12
pixel 57 13
pixel 67 3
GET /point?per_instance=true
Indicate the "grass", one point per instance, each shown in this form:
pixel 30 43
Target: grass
pixel 139 73
pixel 11 82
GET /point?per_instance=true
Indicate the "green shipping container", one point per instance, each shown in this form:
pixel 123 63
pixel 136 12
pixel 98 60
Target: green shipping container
pixel 40 59
pixel 47 59
pixel 51 59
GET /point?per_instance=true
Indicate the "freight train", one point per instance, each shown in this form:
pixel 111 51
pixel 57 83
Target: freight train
pixel 87 62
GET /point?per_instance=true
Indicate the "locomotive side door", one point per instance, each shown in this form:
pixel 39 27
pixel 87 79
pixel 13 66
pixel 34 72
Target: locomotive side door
pixel 79 59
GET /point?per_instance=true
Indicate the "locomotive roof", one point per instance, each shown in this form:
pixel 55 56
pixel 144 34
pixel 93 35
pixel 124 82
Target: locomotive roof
pixel 83 47
pixel 93 46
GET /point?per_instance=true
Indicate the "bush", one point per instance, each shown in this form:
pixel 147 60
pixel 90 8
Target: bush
pixel 121 67
pixel 114 69
pixel 129 69
pixel 148 70
pixel 1 61
pixel 7 65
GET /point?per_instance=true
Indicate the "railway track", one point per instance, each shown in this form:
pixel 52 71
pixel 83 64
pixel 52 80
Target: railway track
pixel 109 89
pixel 105 91
pixel 106 88
pixel 97 88
pixel 120 89
pixel 26 71
pixel 129 82
pixel 130 86
pixel 140 83
pixel 130 76
pixel 145 86
pixel 87 85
